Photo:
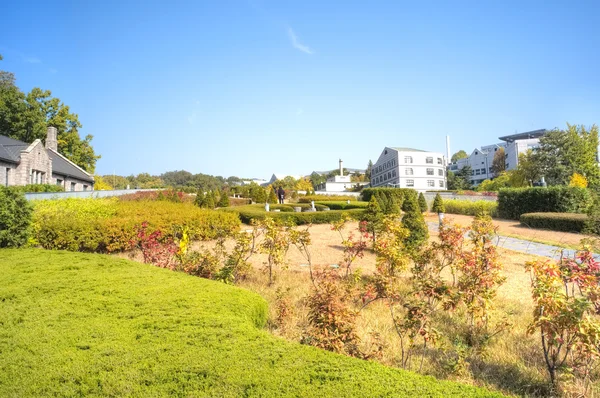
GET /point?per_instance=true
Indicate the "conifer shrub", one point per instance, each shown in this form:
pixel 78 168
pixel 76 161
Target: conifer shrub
pixel 422 202
pixel 224 201
pixel 438 204
pixel 414 222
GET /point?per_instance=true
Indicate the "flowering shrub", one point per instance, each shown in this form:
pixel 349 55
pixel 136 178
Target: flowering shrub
pixel 567 307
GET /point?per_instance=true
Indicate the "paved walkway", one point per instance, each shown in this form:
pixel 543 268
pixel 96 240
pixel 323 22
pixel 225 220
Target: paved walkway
pixel 525 246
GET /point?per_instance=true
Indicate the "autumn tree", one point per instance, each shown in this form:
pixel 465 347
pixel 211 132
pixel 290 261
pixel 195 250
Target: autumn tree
pixel 499 162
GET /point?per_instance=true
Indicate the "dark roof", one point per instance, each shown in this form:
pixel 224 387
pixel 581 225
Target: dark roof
pixel 63 167
pixel 10 149
pixel 523 136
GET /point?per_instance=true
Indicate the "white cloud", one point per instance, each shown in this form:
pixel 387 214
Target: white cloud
pixel 296 43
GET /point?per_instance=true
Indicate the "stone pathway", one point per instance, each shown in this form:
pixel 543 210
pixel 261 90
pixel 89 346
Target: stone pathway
pixel 525 246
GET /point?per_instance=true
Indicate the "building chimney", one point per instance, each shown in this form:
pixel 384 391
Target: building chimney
pixel 447 149
pixel 51 139
pixel 341 169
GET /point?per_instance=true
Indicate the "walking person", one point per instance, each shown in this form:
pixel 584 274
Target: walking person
pixel 280 195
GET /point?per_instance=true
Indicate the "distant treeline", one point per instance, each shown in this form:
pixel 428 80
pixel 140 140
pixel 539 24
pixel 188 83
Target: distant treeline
pixel 181 179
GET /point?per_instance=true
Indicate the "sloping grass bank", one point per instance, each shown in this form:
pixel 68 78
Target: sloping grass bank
pixel 75 324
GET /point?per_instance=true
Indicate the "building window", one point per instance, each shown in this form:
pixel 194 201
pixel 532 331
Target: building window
pixel 439 160
pixel 441 184
pixel 408 159
pixel 429 160
pixel 430 183
pixel 389 174
pixel 7 175
pixel 429 172
pixel 410 183
pixel 408 171
pixel 394 173
pixel 477 172
pixel 482 171
pixel 85 187
pixel 59 182
pixel 491 171
pixel 72 187
pixel 440 172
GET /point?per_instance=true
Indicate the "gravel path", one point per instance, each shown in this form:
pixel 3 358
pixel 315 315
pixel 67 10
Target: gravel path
pixel 525 246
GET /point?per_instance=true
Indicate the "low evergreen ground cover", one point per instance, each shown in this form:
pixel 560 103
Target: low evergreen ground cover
pixel 75 324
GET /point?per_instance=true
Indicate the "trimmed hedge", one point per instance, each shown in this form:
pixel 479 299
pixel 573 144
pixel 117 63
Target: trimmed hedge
pixel 110 225
pixel 564 222
pixel 512 202
pixel 326 198
pixel 257 212
pixel 471 208
pixel 33 188
pixel 398 193
pixel 342 205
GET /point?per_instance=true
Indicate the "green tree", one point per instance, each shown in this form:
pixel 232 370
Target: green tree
pixel 528 171
pixel 26 117
pixel 209 201
pixel 499 162
pixel 460 180
pixel 272 196
pixel 564 152
pixel 369 171
pixel 224 200
pixel 422 202
pixel 373 218
pixel 459 155
pixel 199 198
pixel 414 222
pixel 316 179
pixel 438 204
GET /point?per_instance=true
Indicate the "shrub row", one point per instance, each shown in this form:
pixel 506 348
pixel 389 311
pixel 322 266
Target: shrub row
pixel 256 212
pixel 343 205
pixel 37 188
pixel 471 208
pixel 566 222
pixel 512 202
pixel 109 225
pixel 326 198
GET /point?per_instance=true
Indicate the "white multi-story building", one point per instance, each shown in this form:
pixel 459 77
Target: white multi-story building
pixel 409 168
pixel 481 159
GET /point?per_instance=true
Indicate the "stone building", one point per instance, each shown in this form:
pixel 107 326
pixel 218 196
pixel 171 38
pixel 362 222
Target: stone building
pixel 22 164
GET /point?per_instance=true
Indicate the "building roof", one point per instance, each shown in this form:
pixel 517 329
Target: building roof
pixel 64 167
pixel 10 149
pixel 523 136
pixel 402 149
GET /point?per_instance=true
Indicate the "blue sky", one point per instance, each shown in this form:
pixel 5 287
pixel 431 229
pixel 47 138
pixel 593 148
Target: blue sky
pixel 249 87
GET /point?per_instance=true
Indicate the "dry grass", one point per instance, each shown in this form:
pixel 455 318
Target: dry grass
pixel 515 229
pixel 512 363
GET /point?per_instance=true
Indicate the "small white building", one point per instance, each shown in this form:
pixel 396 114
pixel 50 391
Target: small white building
pixel 481 159
pixel 339 183
pixel 409 168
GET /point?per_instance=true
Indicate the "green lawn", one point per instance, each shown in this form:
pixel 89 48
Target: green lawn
pixel 74 324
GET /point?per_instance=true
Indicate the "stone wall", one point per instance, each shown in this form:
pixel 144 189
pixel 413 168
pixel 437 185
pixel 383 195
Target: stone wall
pixel 34 159
pixel 67 181
pixel 11 173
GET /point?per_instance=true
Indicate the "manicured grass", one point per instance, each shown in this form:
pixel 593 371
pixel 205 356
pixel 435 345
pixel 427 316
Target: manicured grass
pixel 74 324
